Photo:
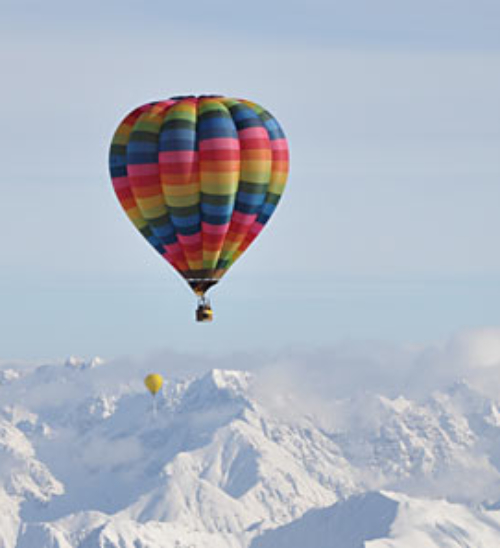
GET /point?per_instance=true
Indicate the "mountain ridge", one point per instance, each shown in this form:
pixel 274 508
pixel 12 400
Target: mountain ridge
pixel 214 464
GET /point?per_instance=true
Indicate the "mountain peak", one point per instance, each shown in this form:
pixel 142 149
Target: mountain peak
pixel 77 362
pixel 218 388
pixel 236 382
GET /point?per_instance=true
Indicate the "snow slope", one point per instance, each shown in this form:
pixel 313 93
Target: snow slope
pixel 388 520
pixel 86 462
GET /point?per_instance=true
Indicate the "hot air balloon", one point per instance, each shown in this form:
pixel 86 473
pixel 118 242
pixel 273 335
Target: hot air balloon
pixel 199 177
pixel 154 382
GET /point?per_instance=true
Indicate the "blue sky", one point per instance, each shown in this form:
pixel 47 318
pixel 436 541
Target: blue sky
pixel 388 229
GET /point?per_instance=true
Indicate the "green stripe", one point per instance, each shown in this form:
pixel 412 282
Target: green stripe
pixel 118 150
pixel 184 211
pixel 273 198
pixel 146 231
pixel 159 221
pixel 252 188
pixel 216 199
pixel 175 122
pixel 145 136
pixel 213 110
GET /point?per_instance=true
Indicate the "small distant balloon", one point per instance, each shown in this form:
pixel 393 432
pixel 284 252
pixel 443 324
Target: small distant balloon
pixel 153 383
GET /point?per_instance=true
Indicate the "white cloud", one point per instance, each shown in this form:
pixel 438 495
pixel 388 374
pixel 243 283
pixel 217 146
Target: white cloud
pixel 323 374
pixel 476 348
pixel 100 453
pixel 353 368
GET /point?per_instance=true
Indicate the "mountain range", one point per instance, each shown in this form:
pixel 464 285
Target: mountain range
pixel 89 460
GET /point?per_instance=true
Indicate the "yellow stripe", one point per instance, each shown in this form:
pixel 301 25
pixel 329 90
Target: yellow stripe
pixel 152 202
pixel 195 265
pixel 256 165
pixel 277 187
pixel 256 176
pixel 154 212
pixel 219 189
pixel 222 184
pixel 230 247
pixel 182 201
pixel 224 177
pixel 210 259
pixel 135 216
pixel 180 190
pixel 121 137
pixel 182 111
pixel 137 219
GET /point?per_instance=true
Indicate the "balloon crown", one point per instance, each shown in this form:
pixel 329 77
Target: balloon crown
pixel 210 96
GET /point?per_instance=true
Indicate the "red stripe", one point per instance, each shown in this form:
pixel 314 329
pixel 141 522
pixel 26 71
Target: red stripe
pixel 219 155
pixel 247 144
pixel 142 181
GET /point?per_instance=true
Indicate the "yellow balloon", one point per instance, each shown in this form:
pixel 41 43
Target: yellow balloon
pixel 153 382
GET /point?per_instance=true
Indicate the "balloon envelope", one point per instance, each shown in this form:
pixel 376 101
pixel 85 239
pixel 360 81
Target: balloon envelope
pixel 154 382
pixel 199 177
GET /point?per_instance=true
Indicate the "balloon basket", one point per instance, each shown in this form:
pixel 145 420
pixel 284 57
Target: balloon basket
pixel 204 312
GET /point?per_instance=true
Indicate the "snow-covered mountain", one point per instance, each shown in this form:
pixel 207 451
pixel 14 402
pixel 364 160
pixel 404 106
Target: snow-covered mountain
pixel 86 461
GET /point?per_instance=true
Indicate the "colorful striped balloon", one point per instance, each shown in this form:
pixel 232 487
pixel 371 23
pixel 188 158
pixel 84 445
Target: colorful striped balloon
pixel 199 177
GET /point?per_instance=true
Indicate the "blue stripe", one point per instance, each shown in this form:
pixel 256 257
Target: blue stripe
pixel 216 219
pixel 241 113
pixel 177 133
pixel 188 230
pixel 177 144
pixel 248 209
pixel 213 128
pixel 271 124
pixel 268 209
pixel 177 139
pixel 155 242
pixel 274 129
pixel 141 146
pixel 266 213
pixel 166 239
pixel 117 160
pixel 142 158
pixel 186 221
pixel 210 209
pixel 118 171
pixel 245 117
pixel 250 199
pixel 164 231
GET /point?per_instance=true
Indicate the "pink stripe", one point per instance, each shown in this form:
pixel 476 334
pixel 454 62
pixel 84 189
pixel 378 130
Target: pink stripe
pixel 279 144
pixel 255 229
pixel 178 156
pixel 280 155
pixel 244 218
pixel 189 239
pixel 253 133
pixel 137 170
pixel 174 249
pixel 121 183
pixel 226 142
pixel 215 229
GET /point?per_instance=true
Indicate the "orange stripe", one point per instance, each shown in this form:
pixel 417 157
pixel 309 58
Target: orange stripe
pixel 147 191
